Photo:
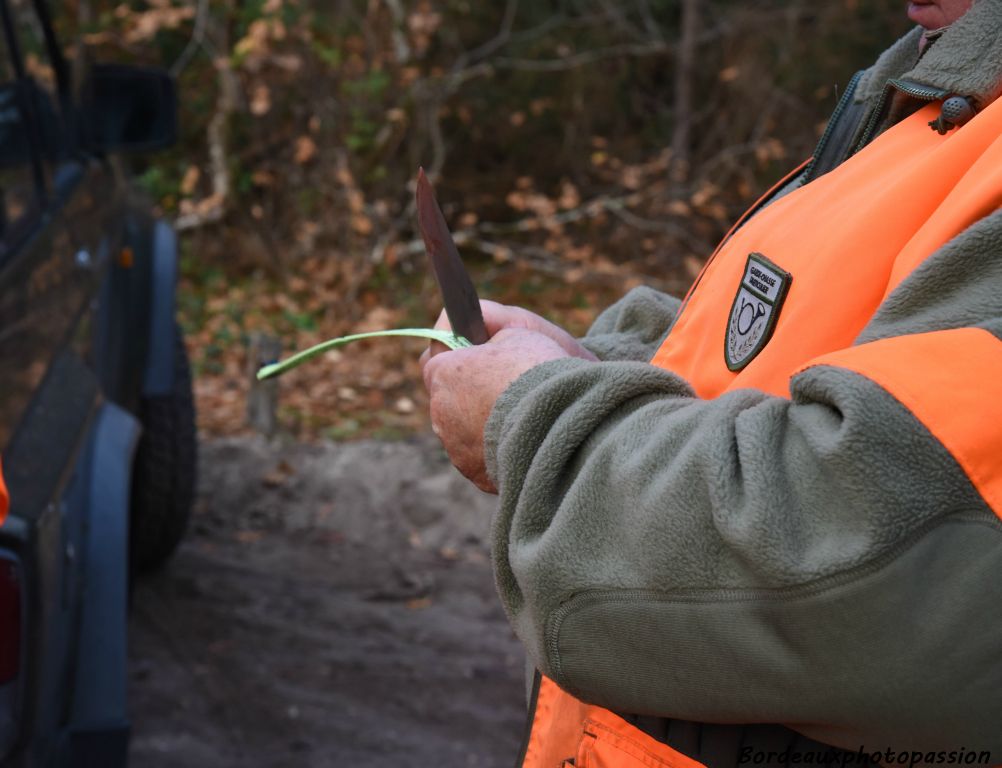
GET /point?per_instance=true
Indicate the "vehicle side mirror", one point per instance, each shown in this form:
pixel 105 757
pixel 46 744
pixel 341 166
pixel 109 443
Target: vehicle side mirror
pixel 131 109
pixel 15 149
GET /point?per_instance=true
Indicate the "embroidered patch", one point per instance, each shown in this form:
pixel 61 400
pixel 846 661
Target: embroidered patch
pixel 755 310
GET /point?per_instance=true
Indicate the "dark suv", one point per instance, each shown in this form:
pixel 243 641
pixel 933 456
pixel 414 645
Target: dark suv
pixel 97 432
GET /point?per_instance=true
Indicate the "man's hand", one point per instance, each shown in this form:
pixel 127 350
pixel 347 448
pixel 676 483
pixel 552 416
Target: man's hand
pixel 465 383
pixel 498 317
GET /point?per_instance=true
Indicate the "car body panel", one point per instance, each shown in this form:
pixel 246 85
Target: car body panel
pixel 158 368
pixel 98 726
pixel 46 467
pixel 87 281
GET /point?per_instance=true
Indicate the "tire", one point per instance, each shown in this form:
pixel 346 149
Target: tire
pixel 164 472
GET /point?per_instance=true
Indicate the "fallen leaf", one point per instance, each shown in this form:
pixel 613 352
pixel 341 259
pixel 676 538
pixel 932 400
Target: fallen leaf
pixel 278 474
pixel 263 178
pixel 569 196
pixel 260 100
pixel 190 180
pixel 306 150
pixel 728 74
pixel 361 224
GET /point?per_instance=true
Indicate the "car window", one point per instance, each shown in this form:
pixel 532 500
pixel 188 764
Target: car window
pixel 40 74
pixel 32 41
pixel 70 21
pixel 33 135
pixel 19 193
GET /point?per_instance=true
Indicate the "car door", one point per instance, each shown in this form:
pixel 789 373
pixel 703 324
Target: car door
pixel 48 395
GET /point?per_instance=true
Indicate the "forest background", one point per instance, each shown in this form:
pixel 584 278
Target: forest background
pixel 578 147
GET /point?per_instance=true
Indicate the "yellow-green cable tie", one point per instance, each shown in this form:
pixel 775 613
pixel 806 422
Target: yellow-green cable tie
pixel 451 340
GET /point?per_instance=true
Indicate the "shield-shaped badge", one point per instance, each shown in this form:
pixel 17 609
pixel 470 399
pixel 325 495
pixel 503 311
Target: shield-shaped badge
pixel 755 310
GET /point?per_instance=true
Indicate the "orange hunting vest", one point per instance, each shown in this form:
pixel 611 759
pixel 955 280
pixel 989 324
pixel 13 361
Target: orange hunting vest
pixel 800 280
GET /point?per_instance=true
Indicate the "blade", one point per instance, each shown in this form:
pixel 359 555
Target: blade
pixel 458 294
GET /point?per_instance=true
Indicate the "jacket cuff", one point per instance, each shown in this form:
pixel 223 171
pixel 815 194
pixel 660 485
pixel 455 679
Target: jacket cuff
pixel 501 415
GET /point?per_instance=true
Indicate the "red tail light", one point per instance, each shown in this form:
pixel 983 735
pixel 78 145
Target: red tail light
pixel 10 621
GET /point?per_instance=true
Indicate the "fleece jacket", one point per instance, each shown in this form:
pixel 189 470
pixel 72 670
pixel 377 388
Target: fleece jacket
pixel 820 560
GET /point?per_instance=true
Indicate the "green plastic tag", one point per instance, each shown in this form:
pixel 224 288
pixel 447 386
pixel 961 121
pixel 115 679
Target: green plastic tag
pixel 445 337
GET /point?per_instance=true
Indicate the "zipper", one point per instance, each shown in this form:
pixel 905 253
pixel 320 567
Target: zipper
pixel 537 679
pixel 924 93
pixel 826 137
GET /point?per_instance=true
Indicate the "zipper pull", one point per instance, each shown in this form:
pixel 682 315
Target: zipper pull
pixel 956 111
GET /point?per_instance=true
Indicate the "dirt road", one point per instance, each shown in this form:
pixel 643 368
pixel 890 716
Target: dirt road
pixel 332 606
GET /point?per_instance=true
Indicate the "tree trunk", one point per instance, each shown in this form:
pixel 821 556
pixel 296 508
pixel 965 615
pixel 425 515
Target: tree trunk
pixel 685 65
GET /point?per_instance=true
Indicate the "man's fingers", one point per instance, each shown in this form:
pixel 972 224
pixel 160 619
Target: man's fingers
pixel 498 316
pixel 434 348
pixel 464 385
pixel 427 371
pixel 443 324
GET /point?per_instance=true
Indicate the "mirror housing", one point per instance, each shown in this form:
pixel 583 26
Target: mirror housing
pixel 130 109
pixel 15 149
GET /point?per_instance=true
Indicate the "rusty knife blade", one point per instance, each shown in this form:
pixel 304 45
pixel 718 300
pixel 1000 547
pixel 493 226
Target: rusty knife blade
pixel 462 304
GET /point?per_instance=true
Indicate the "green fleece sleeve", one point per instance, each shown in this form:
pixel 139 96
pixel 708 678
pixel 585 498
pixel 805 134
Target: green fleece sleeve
pixel 632 328
pixel 820 562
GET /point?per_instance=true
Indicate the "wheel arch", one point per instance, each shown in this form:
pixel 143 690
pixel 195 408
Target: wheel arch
pixel 158 366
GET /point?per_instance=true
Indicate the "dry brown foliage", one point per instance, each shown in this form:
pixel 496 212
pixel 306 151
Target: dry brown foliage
pixel 579 147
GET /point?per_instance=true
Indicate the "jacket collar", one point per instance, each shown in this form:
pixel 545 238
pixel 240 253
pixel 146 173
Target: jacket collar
pixel 966 60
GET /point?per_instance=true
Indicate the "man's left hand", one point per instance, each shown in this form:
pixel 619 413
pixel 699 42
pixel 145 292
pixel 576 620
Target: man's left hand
pixel 465 383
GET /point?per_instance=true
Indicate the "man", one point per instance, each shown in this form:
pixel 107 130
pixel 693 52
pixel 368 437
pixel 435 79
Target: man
pixel 765 521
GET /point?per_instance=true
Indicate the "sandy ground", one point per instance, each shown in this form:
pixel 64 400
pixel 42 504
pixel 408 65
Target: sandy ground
pixel 332 606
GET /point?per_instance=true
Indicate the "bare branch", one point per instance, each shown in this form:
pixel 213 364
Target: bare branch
pixel 616 205
pixel 684 70
pixel 649 23
pixel 197 39
pixel 552 23
pixel 437 141
pixel 401 48
pixel 667 227
pixel 213 208
pixel 619 19
pixel 500 39
pixel 654 48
